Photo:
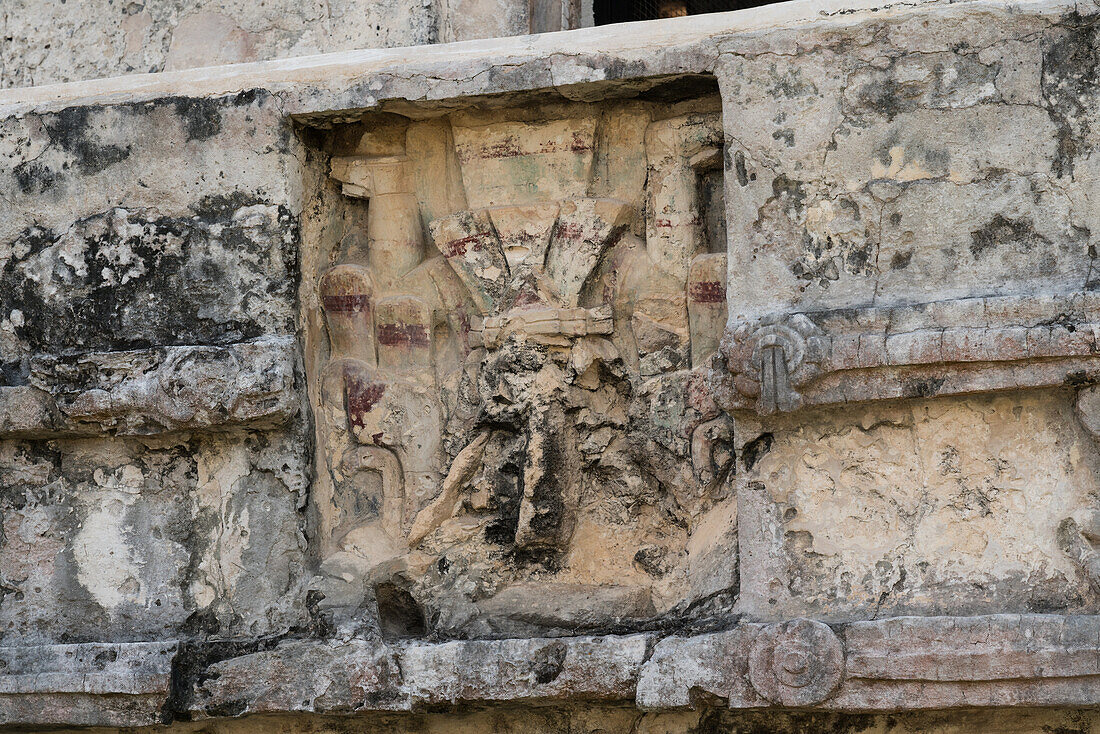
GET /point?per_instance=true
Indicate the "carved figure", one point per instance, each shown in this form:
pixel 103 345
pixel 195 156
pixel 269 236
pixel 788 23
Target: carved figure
pixel 380 320
pixel 490 393
pixel 525 269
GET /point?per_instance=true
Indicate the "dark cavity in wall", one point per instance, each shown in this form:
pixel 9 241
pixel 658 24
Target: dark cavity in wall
pixel 624 11
pixel 399 616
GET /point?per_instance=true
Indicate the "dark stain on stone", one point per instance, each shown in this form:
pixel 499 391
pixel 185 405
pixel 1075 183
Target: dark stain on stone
pixel 201 116
pixel 216 207
pixel 547 494
pixel 786 135
pixel 887 93
pixel 901 260
pixel 506 487
pixel 886 97
pixel 103 658
pixel 190 669
pixel 789 192
pixel 250 96
pixel 653 560
pixel 1068 85
pixel 1000 231
pixel 790 84
pixel 755 450
pixel 1078 378
pixel 319 624
pixel 549 662
pixel 926 388
pixel 33 177
pixel 857 258
pixel 1067 321
pixel 14 372
pixel 850 207
pixel 740 169
pixel 235 707
pixel 165 292
pixel 72 130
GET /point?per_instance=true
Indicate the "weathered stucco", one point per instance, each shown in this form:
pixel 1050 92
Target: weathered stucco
pixel 662 378
pixel 51 41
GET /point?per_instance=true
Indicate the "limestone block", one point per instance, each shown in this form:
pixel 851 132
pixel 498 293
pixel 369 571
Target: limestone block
pixel 26 411
pixel 94 683
pixel 303 676
pixel 509 163
pixel 885 505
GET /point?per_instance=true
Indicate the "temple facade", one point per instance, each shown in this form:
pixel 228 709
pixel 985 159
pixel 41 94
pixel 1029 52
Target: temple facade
pixel 430 367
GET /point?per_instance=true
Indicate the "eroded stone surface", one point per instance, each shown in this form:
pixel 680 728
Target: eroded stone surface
pixel 518 407
pixel 660 367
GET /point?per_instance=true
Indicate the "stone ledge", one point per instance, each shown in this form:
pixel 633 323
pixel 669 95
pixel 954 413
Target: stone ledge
pixel 894 664
pixel 149 391
pixel 363 79
pixel 905 663
pixel 357 675
pixel 889 665
pixel 92 684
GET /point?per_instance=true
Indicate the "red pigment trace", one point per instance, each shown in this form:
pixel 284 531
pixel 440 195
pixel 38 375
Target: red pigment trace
pixel 394 335
pixel 350 303
pixel 707 292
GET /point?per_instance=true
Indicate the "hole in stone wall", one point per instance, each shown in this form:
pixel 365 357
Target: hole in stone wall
pixel 399 616
pixel 624 11
pixel 712 201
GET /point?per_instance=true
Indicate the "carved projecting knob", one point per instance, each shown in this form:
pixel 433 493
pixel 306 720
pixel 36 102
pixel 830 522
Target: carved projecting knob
pixel 772 357
pixel 797 663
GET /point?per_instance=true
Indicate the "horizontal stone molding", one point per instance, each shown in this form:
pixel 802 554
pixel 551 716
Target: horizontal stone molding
pixel 894 664
pixel 903 663
pixel 950 347
pixel 898 664
pixel 356 80
pixel 151 391
pixel 373 676
pixel 92 684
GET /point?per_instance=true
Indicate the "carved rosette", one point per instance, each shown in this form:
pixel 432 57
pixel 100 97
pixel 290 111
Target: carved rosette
pixel 796 663
pixel 773 356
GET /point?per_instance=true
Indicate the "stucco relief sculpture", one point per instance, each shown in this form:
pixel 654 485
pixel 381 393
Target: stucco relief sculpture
pixel 515 386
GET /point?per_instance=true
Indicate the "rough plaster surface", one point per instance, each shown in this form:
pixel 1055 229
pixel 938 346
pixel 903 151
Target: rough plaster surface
pixel 661 369
pixel 56 41
pixel 53 41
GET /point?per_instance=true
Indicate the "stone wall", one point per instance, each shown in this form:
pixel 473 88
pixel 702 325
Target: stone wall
pixel 705 375
pixel 51 41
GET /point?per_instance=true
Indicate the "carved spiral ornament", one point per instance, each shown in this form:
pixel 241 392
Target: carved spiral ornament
pixel 797 663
